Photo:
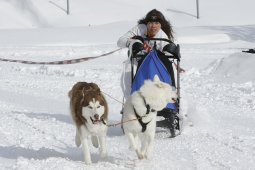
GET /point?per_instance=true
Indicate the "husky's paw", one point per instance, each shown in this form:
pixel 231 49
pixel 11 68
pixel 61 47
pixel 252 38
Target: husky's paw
pixel 140 155
pixel 103 154
pixel 88 162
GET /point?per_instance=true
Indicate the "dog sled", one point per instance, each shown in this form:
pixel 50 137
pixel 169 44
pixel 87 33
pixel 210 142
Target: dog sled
pixel 166 64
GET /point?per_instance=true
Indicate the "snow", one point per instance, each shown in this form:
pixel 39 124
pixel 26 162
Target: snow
pixel 217 89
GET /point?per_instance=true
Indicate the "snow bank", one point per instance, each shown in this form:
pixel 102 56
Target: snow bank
pixel 203 39
pixel 236 68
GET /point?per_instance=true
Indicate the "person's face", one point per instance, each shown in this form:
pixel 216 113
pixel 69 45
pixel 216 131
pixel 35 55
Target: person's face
pixel 153 28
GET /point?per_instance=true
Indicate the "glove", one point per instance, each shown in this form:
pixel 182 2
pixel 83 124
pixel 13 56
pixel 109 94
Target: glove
pixel 137 47
pixel 173 49
pixel 135 44
pixel 170 48
pixel 133 39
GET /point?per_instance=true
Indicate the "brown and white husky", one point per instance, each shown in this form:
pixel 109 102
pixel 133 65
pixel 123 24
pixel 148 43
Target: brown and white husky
pixel 89 111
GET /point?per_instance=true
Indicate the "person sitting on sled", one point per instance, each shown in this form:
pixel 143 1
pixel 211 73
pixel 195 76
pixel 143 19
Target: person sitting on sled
pixel 152 58
pixel 153 25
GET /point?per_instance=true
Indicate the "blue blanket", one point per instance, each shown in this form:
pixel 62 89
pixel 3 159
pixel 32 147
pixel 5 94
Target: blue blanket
pixel 151 66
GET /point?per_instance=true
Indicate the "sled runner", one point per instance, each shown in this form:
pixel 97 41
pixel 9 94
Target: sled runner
pixel 166 65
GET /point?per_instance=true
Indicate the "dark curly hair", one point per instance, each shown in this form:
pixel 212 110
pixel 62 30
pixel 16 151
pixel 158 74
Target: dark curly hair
pixel 157 16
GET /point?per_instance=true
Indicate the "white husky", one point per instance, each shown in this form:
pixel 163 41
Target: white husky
pixel 143 105
pixel 89 111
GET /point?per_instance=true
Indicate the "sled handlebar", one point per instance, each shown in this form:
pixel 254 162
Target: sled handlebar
pixel 158 39
pixel 171 48
pixel 143 54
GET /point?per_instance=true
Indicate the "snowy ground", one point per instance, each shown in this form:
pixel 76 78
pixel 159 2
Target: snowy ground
pixel 37 132
pixel 218 92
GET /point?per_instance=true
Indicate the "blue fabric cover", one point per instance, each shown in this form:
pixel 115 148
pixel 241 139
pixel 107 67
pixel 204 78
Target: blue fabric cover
pixel 151 66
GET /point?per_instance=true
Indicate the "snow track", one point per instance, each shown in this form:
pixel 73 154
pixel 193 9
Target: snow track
pixel 37 131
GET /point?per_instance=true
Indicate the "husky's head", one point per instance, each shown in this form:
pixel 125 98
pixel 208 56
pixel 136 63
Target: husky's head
pixel 158 94
pixel 94 106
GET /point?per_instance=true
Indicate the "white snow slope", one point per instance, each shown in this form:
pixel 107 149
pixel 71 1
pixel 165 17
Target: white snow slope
pixel 217 89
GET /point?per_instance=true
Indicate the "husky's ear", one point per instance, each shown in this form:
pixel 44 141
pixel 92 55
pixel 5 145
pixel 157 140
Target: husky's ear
pixel 160 85
pixel 156 78
pixel 157 82
pixel 70 94
pixel 96 89
pixel 98 92
pixel 87 88
pixel 94 86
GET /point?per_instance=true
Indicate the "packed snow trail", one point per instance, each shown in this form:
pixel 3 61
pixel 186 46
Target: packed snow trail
pixel 37 131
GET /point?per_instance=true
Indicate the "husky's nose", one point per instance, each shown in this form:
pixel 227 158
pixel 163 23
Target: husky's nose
pixel 96 116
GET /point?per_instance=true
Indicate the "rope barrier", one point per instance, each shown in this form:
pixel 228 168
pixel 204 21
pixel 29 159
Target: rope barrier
pixel 71 61
pixel 113 98
pixel 122 122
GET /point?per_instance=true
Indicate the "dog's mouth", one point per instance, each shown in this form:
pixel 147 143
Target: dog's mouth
pixel 94 121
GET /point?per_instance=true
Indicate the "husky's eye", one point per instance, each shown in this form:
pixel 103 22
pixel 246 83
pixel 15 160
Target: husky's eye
pixel 90 107
pixel 98 106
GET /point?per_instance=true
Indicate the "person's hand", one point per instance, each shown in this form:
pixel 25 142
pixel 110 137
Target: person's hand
pixel 147 47
pixel 134 39
pixel 137 47
pixel 135 44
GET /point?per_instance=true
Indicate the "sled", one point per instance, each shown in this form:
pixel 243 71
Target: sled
pixel 166 65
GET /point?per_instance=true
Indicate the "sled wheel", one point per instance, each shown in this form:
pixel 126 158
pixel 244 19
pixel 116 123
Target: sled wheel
pixel 171 124
pixel 171 121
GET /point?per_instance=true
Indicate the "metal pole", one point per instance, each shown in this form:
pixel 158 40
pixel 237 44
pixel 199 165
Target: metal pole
pixel 197 9
pixel 67 7
pixel 178 84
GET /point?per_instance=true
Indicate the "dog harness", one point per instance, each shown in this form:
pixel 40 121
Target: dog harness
pixel 139 118
pixel 103 121
pixel 148 110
